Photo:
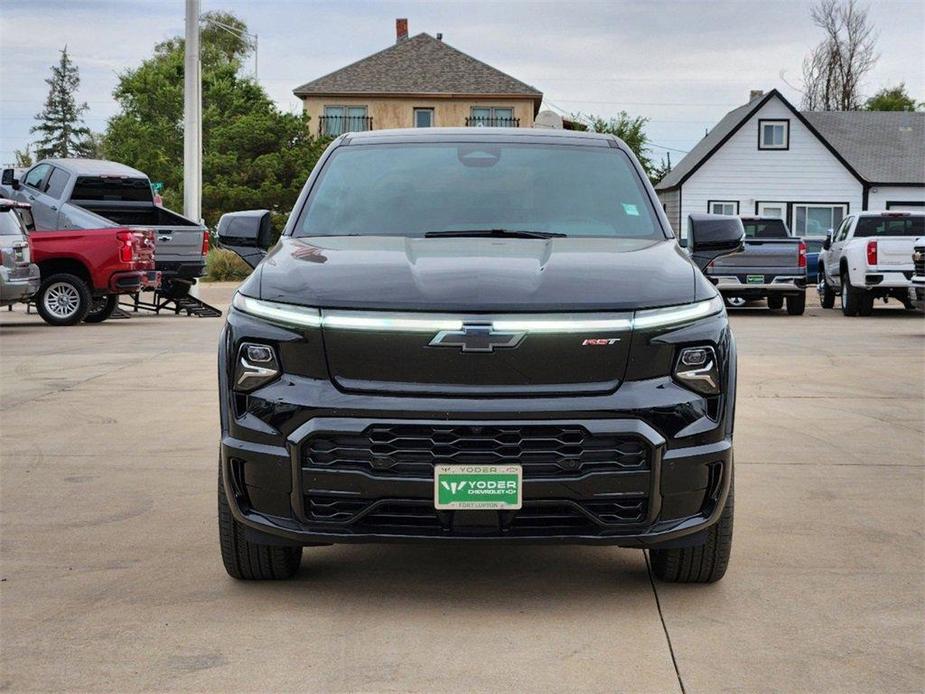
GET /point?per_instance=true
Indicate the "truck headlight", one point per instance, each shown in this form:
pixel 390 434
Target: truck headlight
pixel 697 369
pixel 257 365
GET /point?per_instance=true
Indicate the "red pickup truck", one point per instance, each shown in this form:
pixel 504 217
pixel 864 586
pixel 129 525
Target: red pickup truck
pixel 84 270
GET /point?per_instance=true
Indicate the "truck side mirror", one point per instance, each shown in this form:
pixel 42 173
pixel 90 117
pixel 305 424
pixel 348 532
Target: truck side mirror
pixel 710 236
pixel 9 179
pixel 827 244
pixel 248 233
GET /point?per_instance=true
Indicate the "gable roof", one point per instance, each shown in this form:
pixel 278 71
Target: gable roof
pixel 875 146
pixel 883 146
pixel 419 65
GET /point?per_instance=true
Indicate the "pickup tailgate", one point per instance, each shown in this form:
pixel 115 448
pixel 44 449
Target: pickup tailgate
pixel 764 255
pixel 895 252
pixel 179 244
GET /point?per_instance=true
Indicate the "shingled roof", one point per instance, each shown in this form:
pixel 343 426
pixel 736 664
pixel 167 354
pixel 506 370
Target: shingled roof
pixel 878 147
pixel 419 65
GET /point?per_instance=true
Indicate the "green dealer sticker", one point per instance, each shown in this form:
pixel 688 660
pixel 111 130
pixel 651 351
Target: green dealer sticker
pixel 477 487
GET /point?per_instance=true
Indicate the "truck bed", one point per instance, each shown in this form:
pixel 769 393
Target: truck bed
pixel 135 213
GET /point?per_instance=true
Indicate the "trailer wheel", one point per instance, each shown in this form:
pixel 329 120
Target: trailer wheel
pixel 101 308
pixel 63 299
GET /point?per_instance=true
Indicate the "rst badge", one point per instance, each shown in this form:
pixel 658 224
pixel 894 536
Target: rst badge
pixel 599 341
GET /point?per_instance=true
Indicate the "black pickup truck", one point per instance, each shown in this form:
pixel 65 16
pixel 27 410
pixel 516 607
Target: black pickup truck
pixel 477 335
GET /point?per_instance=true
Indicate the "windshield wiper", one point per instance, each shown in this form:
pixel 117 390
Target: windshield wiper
pixel 497 233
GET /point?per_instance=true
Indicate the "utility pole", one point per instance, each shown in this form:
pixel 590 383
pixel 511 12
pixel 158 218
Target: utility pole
pixel 192 117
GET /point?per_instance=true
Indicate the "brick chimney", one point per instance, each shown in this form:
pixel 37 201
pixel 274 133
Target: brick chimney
pixel 401 30
pixel 755 94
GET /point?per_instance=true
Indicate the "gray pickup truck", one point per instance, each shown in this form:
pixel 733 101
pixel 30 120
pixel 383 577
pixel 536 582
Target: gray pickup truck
pixel 772 266
pixel 19 276
pixel 99 194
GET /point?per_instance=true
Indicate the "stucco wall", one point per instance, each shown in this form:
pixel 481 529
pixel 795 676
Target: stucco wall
pixel 398 112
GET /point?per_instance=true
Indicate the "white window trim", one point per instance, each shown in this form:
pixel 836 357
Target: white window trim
pixel 785 124
pixel 734 203
pixel 433 116
pixel 807 205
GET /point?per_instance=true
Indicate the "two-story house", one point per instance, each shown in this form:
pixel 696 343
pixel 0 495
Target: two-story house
pixel 807 167
pixel 418 82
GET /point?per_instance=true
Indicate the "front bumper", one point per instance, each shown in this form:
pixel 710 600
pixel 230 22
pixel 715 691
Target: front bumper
pixel 303 462
pixel 917 293
pixel 18 284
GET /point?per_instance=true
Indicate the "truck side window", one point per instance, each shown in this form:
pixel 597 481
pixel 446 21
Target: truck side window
pixel 56 183
pixel 36 177
pixel 843 232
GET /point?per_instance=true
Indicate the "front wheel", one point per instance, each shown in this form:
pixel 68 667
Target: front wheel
pixel 796 305
pixel 63 299
pixel 704 563
pixel 246 560
pixel 101 308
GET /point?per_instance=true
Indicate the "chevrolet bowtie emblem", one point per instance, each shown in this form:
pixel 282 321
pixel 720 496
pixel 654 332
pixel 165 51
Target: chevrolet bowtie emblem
pixel 477 338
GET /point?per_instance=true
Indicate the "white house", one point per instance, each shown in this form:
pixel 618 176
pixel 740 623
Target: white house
pixel 810 168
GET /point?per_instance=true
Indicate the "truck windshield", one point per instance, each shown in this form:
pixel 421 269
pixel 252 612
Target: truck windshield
pixel 413 190
pixel 9 224
pixel 114 188
pixel 765 229
pixel 890 226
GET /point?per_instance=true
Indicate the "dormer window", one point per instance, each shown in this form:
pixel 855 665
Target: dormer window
pixel 773 134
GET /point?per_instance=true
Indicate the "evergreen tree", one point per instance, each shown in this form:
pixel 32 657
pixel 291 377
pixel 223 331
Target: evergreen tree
pixel 61 130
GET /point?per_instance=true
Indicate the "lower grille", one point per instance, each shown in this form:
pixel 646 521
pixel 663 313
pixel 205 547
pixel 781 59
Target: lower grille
pixel 418 516
pixel 410 450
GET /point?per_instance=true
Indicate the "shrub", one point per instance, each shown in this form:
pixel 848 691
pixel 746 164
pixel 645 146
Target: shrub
pixel 223 265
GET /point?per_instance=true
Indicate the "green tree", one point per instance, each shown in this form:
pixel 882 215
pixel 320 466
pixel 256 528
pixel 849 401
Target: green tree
pixel 23 157
pixel 254 155
pixel 630 129
pixel 892 99
pixel 60 124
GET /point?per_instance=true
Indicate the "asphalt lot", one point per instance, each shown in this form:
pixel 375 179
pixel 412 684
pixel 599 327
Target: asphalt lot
pixel 112 580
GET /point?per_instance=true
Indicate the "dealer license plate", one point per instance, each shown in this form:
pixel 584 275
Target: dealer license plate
pixel 754 279
pixel 472 487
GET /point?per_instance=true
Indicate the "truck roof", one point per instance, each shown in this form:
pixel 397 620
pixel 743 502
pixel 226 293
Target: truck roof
pixel 95 167
pixel 509 135
pixel 889 213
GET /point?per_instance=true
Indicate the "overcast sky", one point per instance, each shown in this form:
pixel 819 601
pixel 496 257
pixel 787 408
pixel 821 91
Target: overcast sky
pixel 682 64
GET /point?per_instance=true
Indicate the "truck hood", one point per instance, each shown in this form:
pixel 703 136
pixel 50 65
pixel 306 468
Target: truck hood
pixel 479 274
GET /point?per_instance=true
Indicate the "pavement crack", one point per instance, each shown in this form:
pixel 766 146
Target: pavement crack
pixel 658 606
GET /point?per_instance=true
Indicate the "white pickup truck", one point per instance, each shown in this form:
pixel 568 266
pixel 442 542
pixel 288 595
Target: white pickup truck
pixel 869 257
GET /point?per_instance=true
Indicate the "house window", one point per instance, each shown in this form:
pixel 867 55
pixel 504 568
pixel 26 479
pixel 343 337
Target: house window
pixel 423 118
pixel 772 209
pixel 484 116
pixel 338 120
pixel 773 134
pixel 816 219
pixel 729 207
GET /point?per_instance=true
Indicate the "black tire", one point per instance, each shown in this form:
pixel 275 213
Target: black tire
pixel 826 293
pixel 704 563
pixel 775 303
pixel 101 308
pixel 63 299
pixel 849 296
pixel 796 305
pixel 251 561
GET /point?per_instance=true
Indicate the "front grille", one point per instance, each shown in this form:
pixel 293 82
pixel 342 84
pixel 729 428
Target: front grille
pixel 418 516
pixel 919 262
pixel 411 450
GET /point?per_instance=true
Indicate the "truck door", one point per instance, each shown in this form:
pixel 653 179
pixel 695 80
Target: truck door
pixel 33 192
pixel 833 259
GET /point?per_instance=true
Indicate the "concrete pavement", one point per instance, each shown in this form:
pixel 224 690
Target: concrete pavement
pixel 112 581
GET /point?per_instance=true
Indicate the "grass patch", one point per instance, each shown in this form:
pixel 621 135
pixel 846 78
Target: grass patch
pixel 223 265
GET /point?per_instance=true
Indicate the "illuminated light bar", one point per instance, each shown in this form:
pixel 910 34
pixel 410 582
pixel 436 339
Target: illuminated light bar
pixel 659 317
pixel 348 321
pixel 281 313
pixel 561 326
